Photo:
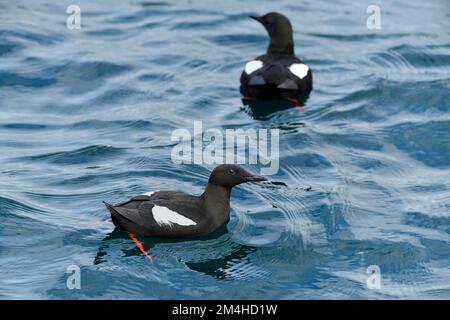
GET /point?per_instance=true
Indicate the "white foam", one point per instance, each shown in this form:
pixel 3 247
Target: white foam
pixel 148 193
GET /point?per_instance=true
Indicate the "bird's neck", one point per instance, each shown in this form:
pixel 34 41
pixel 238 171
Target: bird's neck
pixel 275 48
pixel 282 43
pixel 217 203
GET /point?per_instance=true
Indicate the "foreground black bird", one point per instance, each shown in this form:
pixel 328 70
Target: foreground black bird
pixel 174 214
pixel 278 74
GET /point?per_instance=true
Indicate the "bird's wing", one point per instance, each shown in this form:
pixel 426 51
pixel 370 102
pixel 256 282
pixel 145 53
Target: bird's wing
pixel 274 70
pixel 162 209
pixel 289 84
pixel 181 210
pixel 134 202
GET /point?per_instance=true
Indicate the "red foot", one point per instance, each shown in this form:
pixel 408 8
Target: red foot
pixel 296 103
pixel 140 247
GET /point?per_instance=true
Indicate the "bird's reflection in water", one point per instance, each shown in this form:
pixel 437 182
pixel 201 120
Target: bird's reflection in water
pixel 221 259
pixel 224 267
pixel 263 109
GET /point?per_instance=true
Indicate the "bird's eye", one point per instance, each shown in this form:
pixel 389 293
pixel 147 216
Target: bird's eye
pixel 231 171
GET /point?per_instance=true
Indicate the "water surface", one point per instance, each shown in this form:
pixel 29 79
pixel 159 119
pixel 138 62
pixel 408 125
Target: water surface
pixel 87 115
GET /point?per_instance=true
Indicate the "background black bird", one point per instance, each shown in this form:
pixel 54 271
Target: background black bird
pixel 278 74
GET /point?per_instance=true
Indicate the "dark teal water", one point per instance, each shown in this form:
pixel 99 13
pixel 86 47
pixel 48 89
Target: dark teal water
pixel 86 115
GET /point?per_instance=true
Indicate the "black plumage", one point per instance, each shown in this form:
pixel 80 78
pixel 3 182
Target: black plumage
pixel 174 214
pixel 276 78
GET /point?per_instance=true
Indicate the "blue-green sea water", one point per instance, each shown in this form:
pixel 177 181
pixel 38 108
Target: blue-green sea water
pixel 86 115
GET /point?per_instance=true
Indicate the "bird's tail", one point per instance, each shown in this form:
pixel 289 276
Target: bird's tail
pixel 275 74
pixel 115 215
pixel 108 206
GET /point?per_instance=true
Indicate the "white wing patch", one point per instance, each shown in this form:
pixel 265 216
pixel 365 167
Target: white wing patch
pixel 148 193
pixel 165 216
pixel 299 69
pixel 252 66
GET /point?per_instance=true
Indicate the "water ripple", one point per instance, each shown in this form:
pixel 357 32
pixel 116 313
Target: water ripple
pixel 87 116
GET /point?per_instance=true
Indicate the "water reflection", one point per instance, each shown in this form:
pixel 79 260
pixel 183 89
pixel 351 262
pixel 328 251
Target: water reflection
pixel 263 109
pixel 225 258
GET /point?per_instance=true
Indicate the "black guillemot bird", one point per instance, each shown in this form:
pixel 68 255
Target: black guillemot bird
pixel 175 214
pixel 278 74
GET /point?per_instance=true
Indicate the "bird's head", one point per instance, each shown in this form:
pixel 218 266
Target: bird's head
pixel 229 175
pixel 280 31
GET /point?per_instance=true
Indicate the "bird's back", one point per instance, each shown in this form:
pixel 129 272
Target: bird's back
pixel 162 214
pixel 275 76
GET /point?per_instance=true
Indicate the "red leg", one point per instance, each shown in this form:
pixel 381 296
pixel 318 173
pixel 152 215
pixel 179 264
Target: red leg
pixel 296 103
pixel 246 98
pixel 140 247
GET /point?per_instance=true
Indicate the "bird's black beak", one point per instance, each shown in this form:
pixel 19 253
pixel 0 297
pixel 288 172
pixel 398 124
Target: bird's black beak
pixel 259 19
pixel 254 178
